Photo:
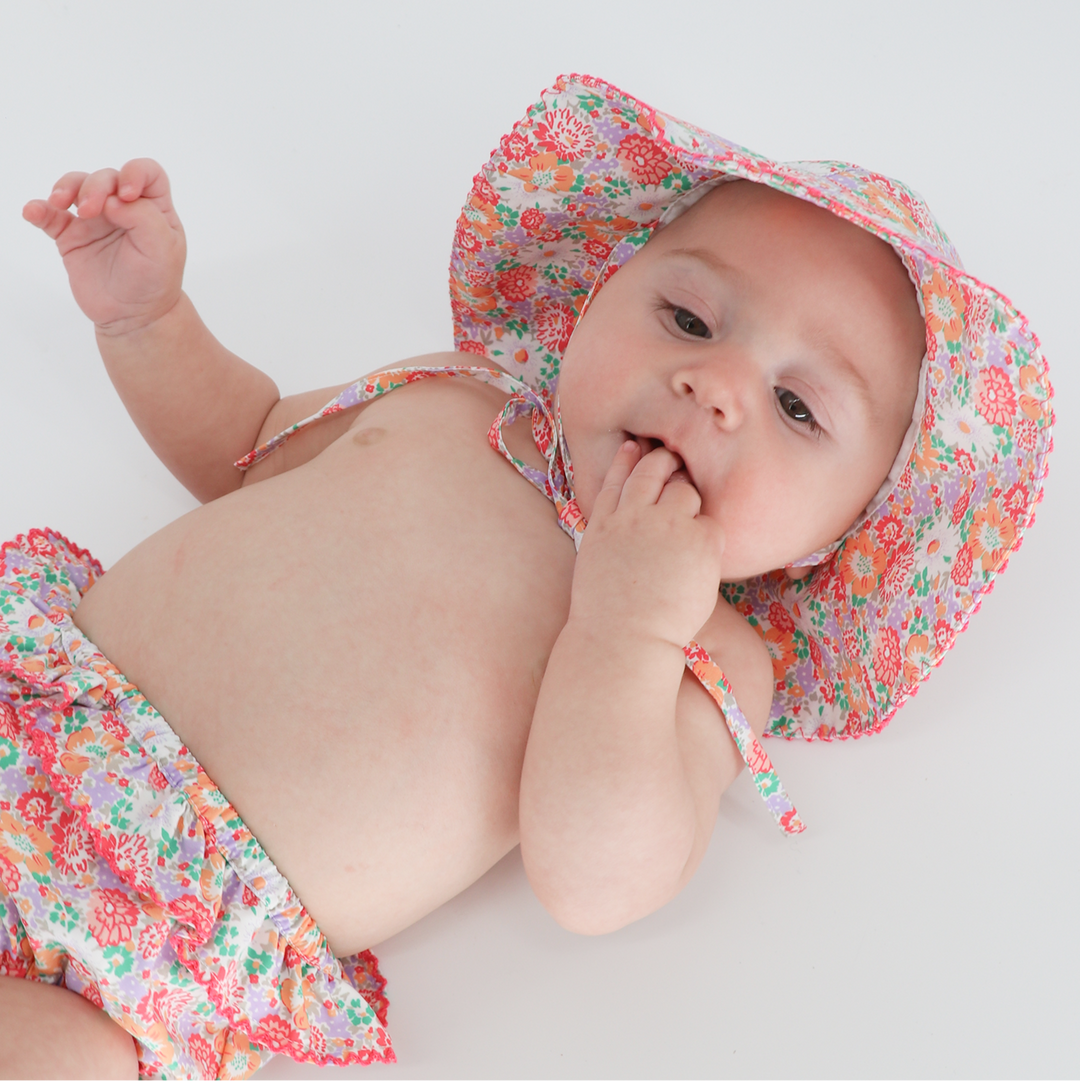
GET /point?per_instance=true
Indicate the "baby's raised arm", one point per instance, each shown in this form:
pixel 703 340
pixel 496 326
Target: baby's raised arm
pixel 199 406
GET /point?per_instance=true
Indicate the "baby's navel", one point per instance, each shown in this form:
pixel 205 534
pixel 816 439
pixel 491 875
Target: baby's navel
pixel 364 437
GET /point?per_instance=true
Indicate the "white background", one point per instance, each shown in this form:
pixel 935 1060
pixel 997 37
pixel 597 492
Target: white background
pixel 319 153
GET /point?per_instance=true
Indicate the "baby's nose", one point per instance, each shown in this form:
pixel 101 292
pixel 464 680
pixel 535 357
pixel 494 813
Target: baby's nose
pixel 723 389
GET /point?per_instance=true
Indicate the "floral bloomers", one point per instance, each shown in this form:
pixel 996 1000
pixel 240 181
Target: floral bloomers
pixel 126 875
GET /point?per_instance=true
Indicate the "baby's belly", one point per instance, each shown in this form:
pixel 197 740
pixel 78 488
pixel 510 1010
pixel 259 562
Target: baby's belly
pixel 353 651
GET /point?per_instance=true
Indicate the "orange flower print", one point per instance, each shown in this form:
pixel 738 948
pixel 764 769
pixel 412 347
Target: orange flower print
pixel 24 844
pixel 111 916
pixel 991 536
pixel 994 396
pixel 239 1059
pixel 517 283
pixel 481 216
pixel 926 455
pixel 887 658
pixel 544 171
pixel 643 159
pixel 916 657
pixel 781 647
pixel 1034 393
pixel 564 134
pixel 944 305
pixel 863 564
pixel 553 324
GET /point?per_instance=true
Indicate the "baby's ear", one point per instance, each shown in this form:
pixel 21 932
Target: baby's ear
pixel 796 573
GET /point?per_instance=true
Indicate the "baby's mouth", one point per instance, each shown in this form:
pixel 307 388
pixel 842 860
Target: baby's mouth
pixel 649 443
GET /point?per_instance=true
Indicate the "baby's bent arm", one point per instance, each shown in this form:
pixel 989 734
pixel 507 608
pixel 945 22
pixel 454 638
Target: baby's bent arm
pixel 199 406
pixel 627 759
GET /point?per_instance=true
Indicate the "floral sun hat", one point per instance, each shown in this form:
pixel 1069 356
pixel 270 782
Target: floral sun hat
pixel 579 186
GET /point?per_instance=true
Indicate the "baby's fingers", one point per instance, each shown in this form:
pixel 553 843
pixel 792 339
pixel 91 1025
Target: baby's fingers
pixel 621 468
pixel 95 189
pixel 46 217
pixel 142 177
pixel 65 190
pixel 680 494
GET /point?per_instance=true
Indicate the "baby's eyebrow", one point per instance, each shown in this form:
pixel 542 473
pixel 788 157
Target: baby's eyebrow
pixel 711 260
pixel 842 366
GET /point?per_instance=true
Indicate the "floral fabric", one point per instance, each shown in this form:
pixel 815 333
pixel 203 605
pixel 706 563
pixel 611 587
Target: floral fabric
pixel 575 190
pixel 125 874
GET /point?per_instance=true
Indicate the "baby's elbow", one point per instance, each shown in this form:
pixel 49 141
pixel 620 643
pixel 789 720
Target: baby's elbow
pixel 594 911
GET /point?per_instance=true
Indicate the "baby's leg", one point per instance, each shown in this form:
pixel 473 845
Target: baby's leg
pixel 52 1032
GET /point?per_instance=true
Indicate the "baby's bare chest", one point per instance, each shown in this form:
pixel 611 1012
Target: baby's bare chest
pixel 359 640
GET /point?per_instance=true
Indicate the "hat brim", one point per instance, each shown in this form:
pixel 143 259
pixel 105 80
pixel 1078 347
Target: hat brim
pixel 578 187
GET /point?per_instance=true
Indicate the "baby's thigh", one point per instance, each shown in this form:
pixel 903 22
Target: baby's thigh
pixel 49 1031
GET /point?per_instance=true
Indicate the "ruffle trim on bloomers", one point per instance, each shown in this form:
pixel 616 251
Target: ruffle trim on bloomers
pixel 203 883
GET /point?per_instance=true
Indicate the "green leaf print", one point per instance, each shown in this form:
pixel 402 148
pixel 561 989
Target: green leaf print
pixel 120 958
pixel 117 812
pixel 8 754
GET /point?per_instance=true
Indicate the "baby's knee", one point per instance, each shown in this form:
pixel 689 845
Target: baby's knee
pixel 49 1031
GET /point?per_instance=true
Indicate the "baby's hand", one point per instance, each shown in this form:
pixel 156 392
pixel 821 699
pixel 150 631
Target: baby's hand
pixel 124 252
pixel 649 561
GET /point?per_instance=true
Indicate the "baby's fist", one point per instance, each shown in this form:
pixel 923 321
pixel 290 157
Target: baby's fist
pixel 125 250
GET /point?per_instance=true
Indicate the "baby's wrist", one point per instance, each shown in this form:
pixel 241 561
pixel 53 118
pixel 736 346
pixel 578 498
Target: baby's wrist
pixel 626 635
pixel 136 326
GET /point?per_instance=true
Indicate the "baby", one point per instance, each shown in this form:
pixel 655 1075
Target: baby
pixel 299 718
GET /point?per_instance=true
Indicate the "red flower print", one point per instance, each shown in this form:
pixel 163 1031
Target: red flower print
pixel 960 507
pixel 482 217
pixel 994 396
pixel 756 759
pixel 464 237
pixel 1016 502
pixel 165 1004
pixel 72 846
pixel 12 963
pixel 964 461
pixel 643 159
pixel 898 568
pixel 9 722
pixel 943 636
pixel 471 346
pixel 888 531
pixel 564 134
pixel 483 190
pixel 517 283
pixel 128 854
pixel 516 147
pixel 887 659
pixel 961 569
pixel 479 276
pixel 36 806
pixel 780 618
pixel 532 220
pixel 38 545
pixel 553 324
pixel 815 653
pixel 113 725
pixel 598 248
pixel 204 1055
pixel 190 910
pixel 152 938
pixel 224 986
pixel 1026 434
pixel 92 993
pixel 250 897
pixel 158 780
pixel 277 1035
pixel 9 878
pixel 111 917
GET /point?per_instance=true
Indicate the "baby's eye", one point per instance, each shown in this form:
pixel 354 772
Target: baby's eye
pixel 689 323
pixel 796 408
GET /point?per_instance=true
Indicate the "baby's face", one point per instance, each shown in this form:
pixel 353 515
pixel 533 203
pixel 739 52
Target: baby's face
pixel 771 345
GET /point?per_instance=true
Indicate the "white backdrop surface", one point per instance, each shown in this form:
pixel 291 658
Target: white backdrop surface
pixel 925 925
